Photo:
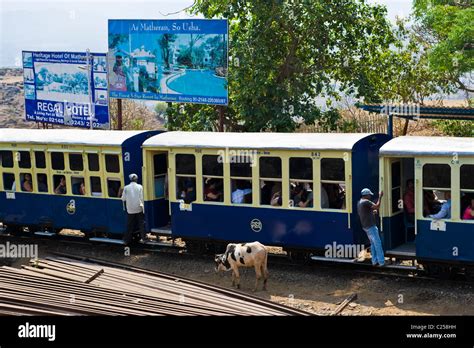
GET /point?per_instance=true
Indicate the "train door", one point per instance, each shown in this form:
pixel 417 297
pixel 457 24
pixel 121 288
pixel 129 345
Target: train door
pixel 161 216
pixel 398 214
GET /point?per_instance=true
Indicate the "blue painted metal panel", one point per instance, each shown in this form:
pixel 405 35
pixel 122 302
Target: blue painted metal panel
pixel 89 214
pixel 393 231
pixel 291 228
pixel 132 149
pixel 156 213
pixel 365 173
pixel 438 245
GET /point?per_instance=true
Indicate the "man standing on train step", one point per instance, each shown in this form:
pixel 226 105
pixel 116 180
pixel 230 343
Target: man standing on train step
pixel 367 210
pixel 132 198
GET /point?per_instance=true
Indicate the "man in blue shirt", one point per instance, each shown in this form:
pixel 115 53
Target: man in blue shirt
pixel 445 211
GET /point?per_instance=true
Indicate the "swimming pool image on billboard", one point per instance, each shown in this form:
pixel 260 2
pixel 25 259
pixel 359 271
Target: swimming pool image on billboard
pixel 65 82
pixel 168 66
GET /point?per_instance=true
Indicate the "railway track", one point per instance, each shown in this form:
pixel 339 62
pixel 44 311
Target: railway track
pixel 282 260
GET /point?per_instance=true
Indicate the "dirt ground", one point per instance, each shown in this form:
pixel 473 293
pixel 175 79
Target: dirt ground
pixel 315 288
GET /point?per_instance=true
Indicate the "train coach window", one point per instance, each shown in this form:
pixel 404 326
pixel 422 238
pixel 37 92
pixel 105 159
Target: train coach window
pixel 185 164
pixel 396 187
pixel 57 160
pixel 186 189
pixel 59 183
pixel 160 169
pixel 333 185
pixel 241 166
pixel 40 159
pixel 185 177
pixel 24 159
pixel 96 186
pixel 9 182
pixel 78 186
pixel 301 182
pixel 241 185
pixel 436 190
pixel 114 188
pixel 75 162
pixel 437 176
pixel 42 182
pixel 112 163
pixel 213 178
pixel 467 192
pixel 270 181
pixel 6 159
pixel 93 160
pixel 467 176
pixel 26 182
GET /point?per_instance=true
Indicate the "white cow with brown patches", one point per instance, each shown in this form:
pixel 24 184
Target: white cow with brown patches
pixel 244 255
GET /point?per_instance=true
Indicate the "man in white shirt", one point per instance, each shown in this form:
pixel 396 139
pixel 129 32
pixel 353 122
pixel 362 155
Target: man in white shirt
pixel 132 197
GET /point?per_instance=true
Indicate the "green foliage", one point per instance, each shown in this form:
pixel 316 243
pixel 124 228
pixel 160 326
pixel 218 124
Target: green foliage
pixel 447 28
pixel 455 128
pixel 165 41
pixel 160 108
pixel 402 74
pixel 285 54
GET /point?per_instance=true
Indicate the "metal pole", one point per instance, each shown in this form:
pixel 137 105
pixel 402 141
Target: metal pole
pixel 220 110
pixel 170 118
pixel 119 114
pixel 390 125
pixel 89 82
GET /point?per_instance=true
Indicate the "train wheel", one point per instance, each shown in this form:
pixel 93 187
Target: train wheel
pixel 298 256
pixel 15 230
pixel 195 247
pixel 438 270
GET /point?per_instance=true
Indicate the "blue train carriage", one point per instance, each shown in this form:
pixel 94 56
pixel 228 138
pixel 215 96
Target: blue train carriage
pixel 439 167
pixel 64 178
pixel 298 190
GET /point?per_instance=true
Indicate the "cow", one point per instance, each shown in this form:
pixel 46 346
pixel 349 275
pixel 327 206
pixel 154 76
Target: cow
pixel 244 255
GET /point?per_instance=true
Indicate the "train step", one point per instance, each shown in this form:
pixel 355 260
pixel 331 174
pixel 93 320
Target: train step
pixel 153 243
pixel 162 230
pixel 107 240
pixel 364 263
pixel 44 233
pixel 333 259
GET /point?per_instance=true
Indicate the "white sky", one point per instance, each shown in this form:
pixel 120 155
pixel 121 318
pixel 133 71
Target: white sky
pixel 75 25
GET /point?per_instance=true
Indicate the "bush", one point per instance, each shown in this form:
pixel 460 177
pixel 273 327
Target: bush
pixel 455 128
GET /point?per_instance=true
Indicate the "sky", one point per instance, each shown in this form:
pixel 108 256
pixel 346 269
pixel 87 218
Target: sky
pixel 73 25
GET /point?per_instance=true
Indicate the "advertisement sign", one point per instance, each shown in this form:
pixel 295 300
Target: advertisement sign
pixel 182 61
pixel 56 88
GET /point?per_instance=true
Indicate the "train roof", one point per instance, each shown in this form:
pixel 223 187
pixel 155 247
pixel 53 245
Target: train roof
pixel 428 146
pixel 66 136
pixel 284 141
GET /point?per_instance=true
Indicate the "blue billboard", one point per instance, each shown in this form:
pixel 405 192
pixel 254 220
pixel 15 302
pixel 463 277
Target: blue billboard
pixel 57 88
pixel 182 61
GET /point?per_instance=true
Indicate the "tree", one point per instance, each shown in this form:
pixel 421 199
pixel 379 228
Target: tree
pixel 401 74
pixel 447 30
pixel 165 41
pixel 116 39
pixel 285 54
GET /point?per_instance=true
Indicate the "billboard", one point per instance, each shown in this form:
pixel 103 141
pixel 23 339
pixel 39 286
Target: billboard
pixel 182 61
pixel 57 88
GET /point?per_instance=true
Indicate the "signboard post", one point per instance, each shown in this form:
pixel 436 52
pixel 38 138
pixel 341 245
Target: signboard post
pixel 66 88
pixel 182 61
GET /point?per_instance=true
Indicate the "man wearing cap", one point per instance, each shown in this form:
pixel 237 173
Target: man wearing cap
pixel 132 198
pixel 367 210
